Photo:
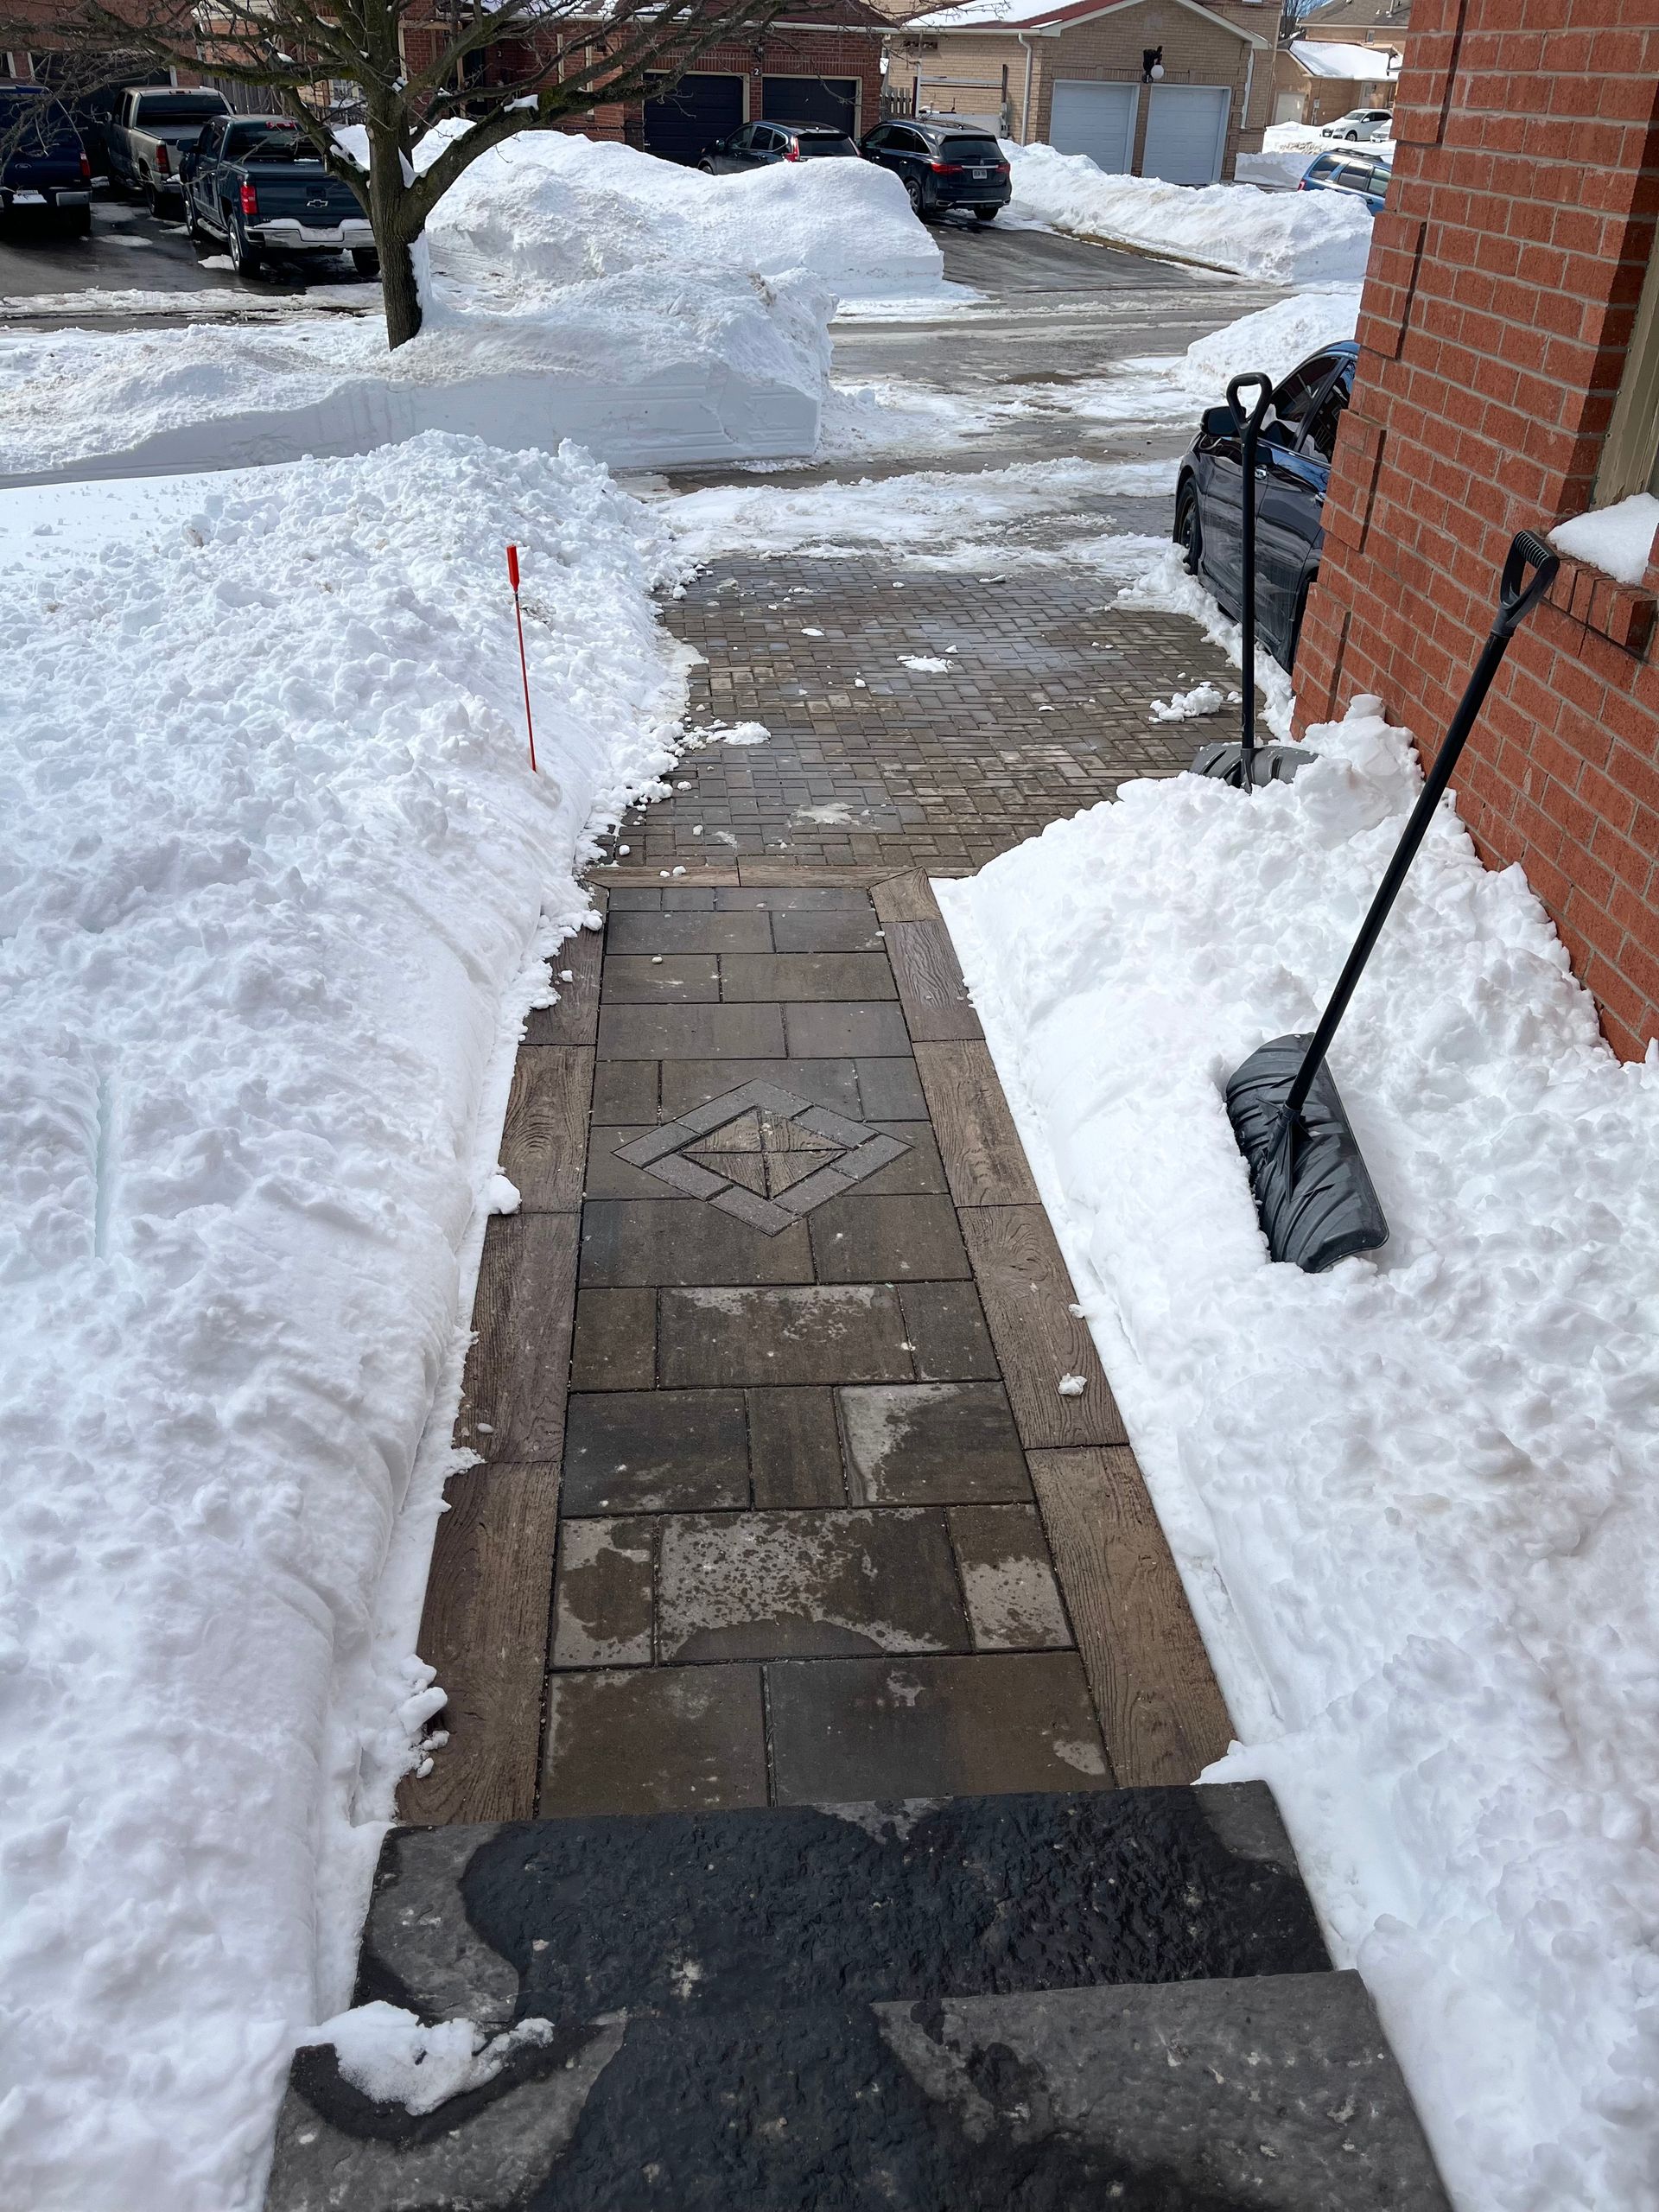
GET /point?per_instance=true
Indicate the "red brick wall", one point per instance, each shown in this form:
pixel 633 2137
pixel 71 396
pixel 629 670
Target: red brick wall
pixel 1497 308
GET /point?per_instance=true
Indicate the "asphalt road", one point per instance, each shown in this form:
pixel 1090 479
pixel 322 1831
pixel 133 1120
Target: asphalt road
pixel 130 251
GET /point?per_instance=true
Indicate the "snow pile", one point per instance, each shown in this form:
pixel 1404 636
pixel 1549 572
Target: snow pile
pixel 393 2057
pixel 649 366
pixel 1206 698
pixel 274 871
pixel 1618 540
pixel 1273 341
pixel 551 209
pixel 1413 1499
pixel 1304 238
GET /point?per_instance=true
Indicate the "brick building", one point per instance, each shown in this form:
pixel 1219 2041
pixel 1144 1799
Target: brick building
pixel 1075 77
pixel 1510 377
pixel 1315 80
pixel 820 62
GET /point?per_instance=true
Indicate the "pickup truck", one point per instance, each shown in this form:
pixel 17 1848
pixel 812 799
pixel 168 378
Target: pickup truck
pixel 44 165
pixel 149 133
pixel 258 182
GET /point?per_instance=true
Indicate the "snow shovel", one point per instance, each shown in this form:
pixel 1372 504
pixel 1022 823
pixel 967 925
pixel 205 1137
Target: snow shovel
pixel 1315 1199
pixel 1245 765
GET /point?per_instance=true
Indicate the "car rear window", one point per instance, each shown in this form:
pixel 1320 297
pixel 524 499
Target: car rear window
pixel 813 149
pixel 970 149
pixel 286 145
pixel 179 107
pixel 1325 165
pixel 242 136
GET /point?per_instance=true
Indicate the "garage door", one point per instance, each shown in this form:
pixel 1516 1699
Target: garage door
pixel 1187 132
pixel 1094 119
pixel 699 110
pixel 832 100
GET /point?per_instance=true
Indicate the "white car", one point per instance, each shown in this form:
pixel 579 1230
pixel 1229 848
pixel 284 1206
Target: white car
pixel 1360 122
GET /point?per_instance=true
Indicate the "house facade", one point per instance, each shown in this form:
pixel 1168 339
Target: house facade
pixel 1158 88
pixel 1315 80
pixel 1509 379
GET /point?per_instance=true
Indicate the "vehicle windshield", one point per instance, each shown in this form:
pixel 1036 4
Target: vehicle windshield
pixel 970 149
pixel 45 126
pixel 286 144
pixel 813 149
pixel 179 107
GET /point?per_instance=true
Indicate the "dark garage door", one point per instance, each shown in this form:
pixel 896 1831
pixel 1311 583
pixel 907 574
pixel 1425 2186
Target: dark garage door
pixel 699 110
pixel 832 100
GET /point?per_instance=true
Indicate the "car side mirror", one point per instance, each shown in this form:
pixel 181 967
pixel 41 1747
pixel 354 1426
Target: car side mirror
pixel 1220 423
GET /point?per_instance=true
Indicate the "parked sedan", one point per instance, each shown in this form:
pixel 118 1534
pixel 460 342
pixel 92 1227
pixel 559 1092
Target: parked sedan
pixel 942 165
pixel 1292 466
pixel 1359 173
pixel 758 143
pixel 1372 123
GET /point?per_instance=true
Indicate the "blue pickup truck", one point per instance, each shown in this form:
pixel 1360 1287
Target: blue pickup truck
pixel 258 182
pixel 43 166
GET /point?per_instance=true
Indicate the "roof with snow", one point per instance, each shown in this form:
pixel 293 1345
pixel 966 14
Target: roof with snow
pixel 1360 64
pixel 1027 14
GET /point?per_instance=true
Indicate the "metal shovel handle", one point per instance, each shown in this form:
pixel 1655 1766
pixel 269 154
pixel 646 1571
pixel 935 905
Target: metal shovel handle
pixel 1250 429
pixel 1518 594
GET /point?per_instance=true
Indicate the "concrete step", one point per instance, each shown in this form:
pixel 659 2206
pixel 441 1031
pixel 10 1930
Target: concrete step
pixel 1273 2091
pixel 683 1912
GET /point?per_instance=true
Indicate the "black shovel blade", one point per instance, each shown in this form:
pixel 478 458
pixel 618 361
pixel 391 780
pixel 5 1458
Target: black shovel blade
pixel 1224 757
pixel 1311 1188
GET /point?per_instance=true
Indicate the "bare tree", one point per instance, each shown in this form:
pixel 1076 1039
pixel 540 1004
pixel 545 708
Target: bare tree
pixel 545 61
pixel 1293 14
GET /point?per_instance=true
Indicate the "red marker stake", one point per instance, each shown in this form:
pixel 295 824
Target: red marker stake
pixel 524 665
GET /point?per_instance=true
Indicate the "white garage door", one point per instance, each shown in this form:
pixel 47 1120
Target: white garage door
pixel 1186 133
pixel 1094 119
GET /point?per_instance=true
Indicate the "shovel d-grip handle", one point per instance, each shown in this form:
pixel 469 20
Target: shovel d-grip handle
pixel 1518 594
pixel 1250 430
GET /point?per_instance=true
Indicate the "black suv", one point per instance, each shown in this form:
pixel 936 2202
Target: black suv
pixel 757 143
pixel 943 165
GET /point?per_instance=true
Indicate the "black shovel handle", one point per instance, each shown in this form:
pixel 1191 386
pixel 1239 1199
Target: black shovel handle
pixel 1518 594
pixel 1250 428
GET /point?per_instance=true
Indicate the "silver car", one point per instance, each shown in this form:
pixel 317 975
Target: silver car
pixel 1359 122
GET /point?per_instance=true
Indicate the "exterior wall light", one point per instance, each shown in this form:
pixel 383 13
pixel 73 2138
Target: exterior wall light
pixel 1152 64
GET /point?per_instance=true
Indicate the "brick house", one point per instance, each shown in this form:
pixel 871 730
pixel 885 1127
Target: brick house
pixel 820 62
pixel 1076 77
pixel 1509 377
pixel 1315 80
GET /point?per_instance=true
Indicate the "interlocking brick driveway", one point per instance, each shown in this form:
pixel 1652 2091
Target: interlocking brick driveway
pixel 1042 710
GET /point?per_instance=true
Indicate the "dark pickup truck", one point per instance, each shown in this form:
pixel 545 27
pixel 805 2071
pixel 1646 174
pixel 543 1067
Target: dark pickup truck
pixel 43 166
pixel 258 182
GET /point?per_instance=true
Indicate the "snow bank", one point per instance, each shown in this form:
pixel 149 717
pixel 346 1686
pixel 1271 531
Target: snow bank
pixel 1274 341
pixel 645 368
pixel 1618 540
pixel 272 869
pixel 550 209
pixel 1412 1500
pixel 1304 238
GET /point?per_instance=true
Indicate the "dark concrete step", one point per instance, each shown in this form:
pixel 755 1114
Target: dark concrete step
pixel 691 1913
pixel 1200 2096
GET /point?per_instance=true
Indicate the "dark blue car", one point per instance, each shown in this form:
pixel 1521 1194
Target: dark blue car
pixel 44 170
pixel 1292 466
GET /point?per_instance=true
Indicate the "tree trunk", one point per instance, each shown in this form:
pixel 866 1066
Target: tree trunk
pixel 388 213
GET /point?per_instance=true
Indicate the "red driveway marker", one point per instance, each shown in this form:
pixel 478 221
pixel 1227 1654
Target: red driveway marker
pixel 524 665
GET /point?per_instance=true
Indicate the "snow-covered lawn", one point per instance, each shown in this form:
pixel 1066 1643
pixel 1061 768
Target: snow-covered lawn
pixel 577 289
pixel 1278 238
pixel 273 871
pixel 1412 1500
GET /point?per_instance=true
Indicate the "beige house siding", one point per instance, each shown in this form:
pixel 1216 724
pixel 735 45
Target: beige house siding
pixel 1199 50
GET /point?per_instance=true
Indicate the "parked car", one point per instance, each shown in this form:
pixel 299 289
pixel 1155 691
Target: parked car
pixel 1372 123
pixel 46 171
pixel 149 133
pixel 1292 469
pixel 258 182
pixel 942 165
pixel 1360 173
pixel 757 143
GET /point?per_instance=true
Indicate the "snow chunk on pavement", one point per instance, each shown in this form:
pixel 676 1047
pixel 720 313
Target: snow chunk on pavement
pixel 396 2058
pixel 1413 1499
pixel 276 888
pixel 1206 698
pixel 924 664
pixel 1278 238
pixel 1618 540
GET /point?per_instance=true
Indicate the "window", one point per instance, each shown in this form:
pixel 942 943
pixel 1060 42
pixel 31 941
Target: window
pixel 1320 439
pixel 1296 395
pixel 1630 453
pixel 879 138
pixel 970 149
